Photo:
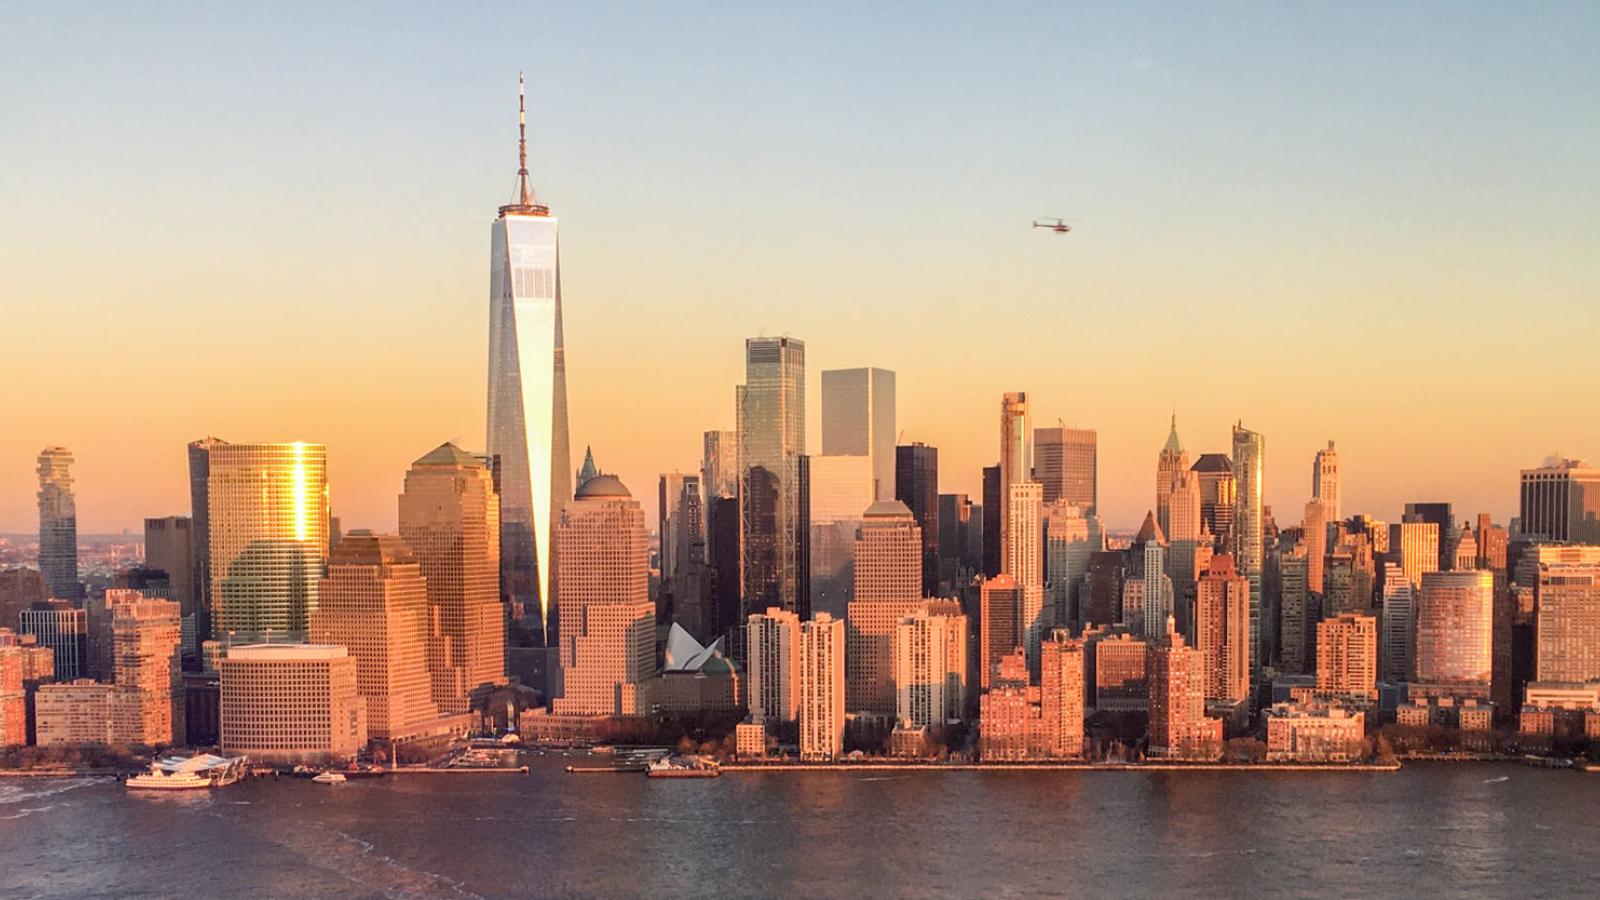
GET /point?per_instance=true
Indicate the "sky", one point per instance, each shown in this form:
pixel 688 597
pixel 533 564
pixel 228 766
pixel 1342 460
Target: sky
pixel 1374 223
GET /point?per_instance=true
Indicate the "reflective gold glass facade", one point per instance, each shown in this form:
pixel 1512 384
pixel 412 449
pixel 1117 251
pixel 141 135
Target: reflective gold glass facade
pixel 268 526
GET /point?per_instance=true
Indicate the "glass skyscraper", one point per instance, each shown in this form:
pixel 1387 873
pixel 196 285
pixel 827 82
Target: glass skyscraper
pixel 58 524
pixel 528 398
pixel 267 523
pixel 858 420
pixel 200 518
pixel 1249 461
pixel 773 508
pixel 1560 501
pixel 1064 462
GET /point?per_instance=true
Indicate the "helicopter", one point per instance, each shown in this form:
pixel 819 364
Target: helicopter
pixel 1056 225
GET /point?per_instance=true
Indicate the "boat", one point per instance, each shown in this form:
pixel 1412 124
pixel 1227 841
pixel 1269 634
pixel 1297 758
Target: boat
pixel 158 779
pixel 329 778
pixel 203 770
pixel 683 767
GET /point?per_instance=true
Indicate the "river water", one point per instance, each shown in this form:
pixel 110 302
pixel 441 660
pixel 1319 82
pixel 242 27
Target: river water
pixel 1429 830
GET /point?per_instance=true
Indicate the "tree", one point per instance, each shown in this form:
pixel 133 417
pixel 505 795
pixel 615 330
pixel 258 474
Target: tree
pixel 1244 750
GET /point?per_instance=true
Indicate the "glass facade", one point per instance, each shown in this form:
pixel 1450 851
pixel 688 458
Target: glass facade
pixel 1064 461
pixel 858 420
pixel 1560 501
pixel 267 513
pixel 773 502
pixel 528 407
pixel 1455 617
pixel 58 524
pixel 1249 466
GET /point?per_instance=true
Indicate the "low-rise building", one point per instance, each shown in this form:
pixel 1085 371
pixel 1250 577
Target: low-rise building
pixel 1553 709
pixel 1314 733
pixel 750 739
pixel 713 688
pixel 696 679
pixel 1467 714
pixel 291 703
pixel 80 711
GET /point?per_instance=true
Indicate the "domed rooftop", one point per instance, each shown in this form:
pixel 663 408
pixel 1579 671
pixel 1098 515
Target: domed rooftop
pixel 602 487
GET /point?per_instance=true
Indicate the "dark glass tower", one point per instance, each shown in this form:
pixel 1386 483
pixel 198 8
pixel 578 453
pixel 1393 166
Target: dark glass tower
pixel 916 484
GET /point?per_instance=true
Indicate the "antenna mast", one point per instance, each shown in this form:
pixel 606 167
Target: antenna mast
pixel 525 203
pixel 524 193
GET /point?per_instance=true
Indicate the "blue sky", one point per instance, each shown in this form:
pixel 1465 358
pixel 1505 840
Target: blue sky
pixel 1371 222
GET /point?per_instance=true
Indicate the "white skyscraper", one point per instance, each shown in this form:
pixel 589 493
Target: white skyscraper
pixel 858 420
pixel 773 638
pixel 528 394
pixel 1016 460
pixel 1325 481
pixel 1397 643
pixel 1024 562
pixel 822 715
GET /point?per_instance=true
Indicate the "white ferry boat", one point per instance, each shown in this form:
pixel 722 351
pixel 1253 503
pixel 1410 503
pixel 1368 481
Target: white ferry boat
pixel 180 773
pixel 329 778
pixel 158 779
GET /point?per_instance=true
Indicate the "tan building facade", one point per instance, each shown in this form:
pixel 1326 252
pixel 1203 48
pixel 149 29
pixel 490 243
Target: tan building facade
pixel 1567 621
pixel 999 618
pixel 1061 696
pixel 608 662
pixel 374 602
pixel 1222 629
pixel 888 587
pixel 1418 546
pixel 1009 718
pixel 1179 728
pixel 143 704
pixel 24 666
pixel 1314 733
pixel 1121 680
pixel 147 667
pixel 930 665
pixel 291 703
pixel 450 518
pixel 1347 656
pixel 76 712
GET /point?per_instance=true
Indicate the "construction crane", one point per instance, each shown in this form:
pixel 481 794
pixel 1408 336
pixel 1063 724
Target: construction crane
pixel 1056 225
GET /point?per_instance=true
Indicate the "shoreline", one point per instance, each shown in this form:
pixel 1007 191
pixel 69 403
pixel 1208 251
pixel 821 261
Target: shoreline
pixel 67 773
pixel 1060 767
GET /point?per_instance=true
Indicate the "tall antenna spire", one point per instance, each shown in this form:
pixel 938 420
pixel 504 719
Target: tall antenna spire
pixel 524 192
pixel 526 202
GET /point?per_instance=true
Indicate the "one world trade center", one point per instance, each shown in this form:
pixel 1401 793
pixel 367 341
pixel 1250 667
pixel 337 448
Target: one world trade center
pixel 528 397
